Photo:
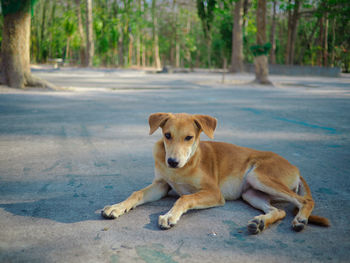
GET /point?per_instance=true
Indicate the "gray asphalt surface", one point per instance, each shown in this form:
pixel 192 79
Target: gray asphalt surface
pixel 64 155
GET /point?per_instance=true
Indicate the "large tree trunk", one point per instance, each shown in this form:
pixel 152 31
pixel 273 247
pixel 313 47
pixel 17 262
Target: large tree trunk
pixel 15 52
pixel 260 62
pixel 237 39
pixel 89 34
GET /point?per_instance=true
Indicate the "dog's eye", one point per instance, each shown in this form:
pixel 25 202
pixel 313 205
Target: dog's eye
pixel 188 138
pixel 167 135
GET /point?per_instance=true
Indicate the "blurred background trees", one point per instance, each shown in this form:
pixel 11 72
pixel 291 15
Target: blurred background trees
pixel 188 33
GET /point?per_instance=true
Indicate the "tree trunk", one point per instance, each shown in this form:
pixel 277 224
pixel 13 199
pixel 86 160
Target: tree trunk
pixel 143 45
pixel 52 21
pixel 289 37
pixel 325 42
pixel 188 51
pixel 177 54
pixel 333 42
pixel 320 43
pixel 293 18
pixel 246 5
pixel 176 37
pixel 209 49
pixel 138 37
pixel 138 51
pixel 294 30
pixel 237 40
pixel 310 42
pixel 67 50
pixel 42 31
pixel 15 52
pixel 272 35
pixel 131 47
pixel 121 48
pixel 155 36
pixel 260 62
pixel 172 61
pixel 81 35
pixel 89 34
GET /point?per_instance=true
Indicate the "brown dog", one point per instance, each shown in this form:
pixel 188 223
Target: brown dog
pixel 205 174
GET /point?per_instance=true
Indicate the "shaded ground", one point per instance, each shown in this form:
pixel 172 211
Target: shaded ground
pixel 65 155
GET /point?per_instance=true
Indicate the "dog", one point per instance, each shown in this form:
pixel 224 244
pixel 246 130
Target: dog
pixel 206 174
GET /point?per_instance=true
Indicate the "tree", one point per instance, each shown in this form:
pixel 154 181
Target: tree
pixel 138 36
pixel 272 34
pixel 237 38
pixel 155 36
pixel 81 34
pixel 293 18
pixel 189 33
pixel 262 48
pixel 206 14
pixel 15 48
pixel 69 30
pixel 89 34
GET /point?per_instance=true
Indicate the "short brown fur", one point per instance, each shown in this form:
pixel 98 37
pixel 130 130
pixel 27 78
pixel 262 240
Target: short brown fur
pixel 205 174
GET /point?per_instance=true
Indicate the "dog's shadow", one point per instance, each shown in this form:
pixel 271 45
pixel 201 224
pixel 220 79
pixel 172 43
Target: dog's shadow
pixel 166 203
pixel 153 221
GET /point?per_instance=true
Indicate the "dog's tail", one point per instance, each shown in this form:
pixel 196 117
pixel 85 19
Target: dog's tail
pixel 313 219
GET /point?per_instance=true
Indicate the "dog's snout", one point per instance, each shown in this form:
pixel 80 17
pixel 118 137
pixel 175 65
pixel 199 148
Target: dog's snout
pixel 173 163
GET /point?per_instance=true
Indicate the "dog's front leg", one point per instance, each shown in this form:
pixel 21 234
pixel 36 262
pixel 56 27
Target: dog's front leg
pixel 153 192
pixel 200 200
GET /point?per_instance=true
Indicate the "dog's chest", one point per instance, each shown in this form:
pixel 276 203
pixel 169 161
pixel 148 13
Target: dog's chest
pixel 181 184
pixel 182 188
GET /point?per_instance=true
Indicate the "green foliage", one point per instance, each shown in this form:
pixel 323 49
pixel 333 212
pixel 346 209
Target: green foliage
pixel 206 14
pixel 14 6
pixel 259 50
pixel 69 24
pixel 222 33
pixel 122 28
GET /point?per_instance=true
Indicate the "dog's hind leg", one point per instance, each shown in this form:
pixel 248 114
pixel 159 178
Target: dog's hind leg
pixel 276 188
pixel 261 201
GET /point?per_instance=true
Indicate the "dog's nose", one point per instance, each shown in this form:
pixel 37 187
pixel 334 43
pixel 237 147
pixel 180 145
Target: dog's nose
pixel 173 163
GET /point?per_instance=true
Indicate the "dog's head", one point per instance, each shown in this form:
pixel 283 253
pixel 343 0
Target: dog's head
pixel 181 134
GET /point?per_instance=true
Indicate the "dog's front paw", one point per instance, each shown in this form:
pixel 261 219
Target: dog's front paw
pixel 167 221
pixel 113 211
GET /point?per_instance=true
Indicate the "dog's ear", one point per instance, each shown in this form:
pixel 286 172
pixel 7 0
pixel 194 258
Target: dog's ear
pixel 157 120
pixel 206 123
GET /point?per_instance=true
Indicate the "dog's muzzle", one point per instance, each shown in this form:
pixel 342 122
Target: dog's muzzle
pixel 172 163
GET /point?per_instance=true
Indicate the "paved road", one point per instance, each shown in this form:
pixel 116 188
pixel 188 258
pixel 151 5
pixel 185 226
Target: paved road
pixel 65 155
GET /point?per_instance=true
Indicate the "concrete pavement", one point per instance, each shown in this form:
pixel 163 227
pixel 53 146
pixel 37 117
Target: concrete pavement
pixel 64 155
